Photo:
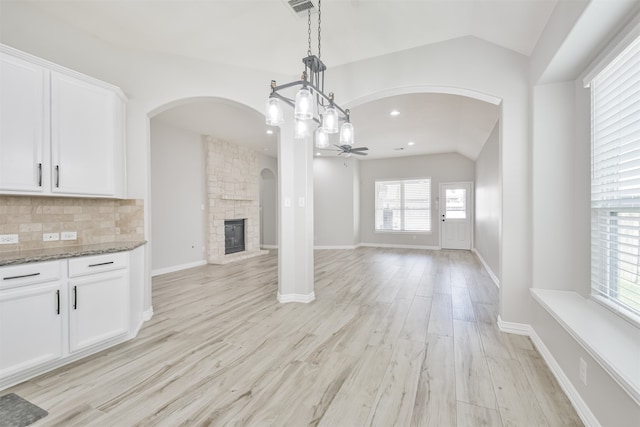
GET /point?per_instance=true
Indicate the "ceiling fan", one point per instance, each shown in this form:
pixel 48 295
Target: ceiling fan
pixel 347 150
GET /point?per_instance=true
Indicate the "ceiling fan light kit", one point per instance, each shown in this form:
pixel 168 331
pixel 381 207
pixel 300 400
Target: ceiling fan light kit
pixel 311 104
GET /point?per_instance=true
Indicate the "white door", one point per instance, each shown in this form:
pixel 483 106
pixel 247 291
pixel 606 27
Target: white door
pixel 455 215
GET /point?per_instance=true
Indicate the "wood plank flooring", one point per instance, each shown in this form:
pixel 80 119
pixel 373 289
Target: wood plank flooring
pixel 394 338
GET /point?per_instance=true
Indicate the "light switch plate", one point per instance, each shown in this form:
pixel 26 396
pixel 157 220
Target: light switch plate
pixel 68 235
pixel 8 239
pixel 50 237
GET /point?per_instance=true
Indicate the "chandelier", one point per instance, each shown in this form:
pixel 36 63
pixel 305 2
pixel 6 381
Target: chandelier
pixel 311 104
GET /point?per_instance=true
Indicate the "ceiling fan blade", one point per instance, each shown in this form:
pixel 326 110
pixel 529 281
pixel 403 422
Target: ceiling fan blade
pixel 359 153
pixel 360 149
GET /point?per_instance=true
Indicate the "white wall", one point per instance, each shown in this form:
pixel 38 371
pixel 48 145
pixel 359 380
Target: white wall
pixel 487 197
pixel 177 197
pixel 555 211
pixel 450 167
pixel 335 201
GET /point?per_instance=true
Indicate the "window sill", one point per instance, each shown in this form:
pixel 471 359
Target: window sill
pixel 403 232
pixel 609 339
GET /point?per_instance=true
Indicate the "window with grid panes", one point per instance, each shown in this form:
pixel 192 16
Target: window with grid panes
pixel 403 205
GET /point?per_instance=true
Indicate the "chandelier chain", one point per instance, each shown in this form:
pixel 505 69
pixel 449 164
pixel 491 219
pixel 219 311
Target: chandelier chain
pixel 319 22
pixel 309 31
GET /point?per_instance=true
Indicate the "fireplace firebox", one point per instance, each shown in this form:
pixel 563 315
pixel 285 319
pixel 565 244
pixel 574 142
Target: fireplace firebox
pixel 233 236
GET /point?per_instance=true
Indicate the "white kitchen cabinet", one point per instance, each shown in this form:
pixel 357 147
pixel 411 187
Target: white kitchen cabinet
pixel 23 125
pixel 55 312
pixel 65 137
pixel 84 134
pixel 31 316
pixel 98 302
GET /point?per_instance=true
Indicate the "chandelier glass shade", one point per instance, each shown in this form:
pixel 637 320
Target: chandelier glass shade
pixel 310 103
pixel 275 117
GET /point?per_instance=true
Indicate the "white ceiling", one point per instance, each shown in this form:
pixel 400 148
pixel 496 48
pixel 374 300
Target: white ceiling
pixel 264 34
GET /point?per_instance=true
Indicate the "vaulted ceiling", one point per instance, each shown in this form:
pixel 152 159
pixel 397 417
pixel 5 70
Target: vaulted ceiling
pixel 267 35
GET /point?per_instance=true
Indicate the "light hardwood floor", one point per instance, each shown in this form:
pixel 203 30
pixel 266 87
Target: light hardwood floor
pixel 394 338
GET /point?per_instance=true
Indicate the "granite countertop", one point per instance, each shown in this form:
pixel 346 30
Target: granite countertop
pixel 63 252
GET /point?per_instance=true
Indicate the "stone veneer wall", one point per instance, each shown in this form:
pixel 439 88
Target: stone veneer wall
pixel 233 193
pixel 95 220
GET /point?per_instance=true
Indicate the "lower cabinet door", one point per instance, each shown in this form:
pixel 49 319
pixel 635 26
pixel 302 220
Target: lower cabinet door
pixel 99 308
pixel 30 327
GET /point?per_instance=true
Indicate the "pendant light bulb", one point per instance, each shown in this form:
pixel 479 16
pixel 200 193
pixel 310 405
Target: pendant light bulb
pixel 304 104
pixel 330 120
pixel 346 134
pixel 274 114
pixel 322 139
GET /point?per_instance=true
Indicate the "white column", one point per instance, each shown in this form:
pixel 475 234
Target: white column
pixel 295 190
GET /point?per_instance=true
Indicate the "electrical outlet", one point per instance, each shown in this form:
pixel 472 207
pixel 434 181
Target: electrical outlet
pixel 8 239
pixel 68 235
pixel 50 237
pixel 583 371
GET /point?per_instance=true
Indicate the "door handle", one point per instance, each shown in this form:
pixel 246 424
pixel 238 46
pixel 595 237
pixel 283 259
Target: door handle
pixel 75 297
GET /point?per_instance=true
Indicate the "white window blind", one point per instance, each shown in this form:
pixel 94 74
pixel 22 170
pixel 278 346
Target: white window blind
pixel 615 183
pixel 403 205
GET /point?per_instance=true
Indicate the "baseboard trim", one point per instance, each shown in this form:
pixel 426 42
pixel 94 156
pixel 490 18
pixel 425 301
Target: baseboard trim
pixel 180 267
pixel 514 328
pixel 394 246
pixel 147 314
pixel 487 268
pixel 338 247
pixel 582 409
pixel 296 298
pixel 576 400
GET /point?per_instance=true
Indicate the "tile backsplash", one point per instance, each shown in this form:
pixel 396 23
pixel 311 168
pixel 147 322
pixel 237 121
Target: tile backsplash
pixel 94 220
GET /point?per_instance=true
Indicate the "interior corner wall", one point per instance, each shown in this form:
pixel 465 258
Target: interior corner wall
pixel 334 207
pixel 450 167
pixel 487 197
pixel 178 220
pixel 561 185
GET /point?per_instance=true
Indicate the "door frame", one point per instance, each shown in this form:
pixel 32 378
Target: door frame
pixel 472 209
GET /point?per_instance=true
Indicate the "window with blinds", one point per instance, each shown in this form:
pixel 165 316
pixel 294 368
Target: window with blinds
pixel 615 183
pixel 403 205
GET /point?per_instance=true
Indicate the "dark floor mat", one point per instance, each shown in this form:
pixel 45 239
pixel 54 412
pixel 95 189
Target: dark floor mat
pixel 17 412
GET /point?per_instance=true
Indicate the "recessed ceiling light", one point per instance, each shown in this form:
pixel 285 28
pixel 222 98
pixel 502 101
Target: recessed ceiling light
pixel 410 143
pixel 269 131
pixel 318 154
pixel 394 113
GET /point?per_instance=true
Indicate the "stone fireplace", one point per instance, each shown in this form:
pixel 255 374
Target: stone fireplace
pixel 233 193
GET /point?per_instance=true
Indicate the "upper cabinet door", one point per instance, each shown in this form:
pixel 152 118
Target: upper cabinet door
pixel 84 132
pixel 23 111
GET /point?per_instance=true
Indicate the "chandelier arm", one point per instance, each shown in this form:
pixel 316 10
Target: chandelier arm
pixel 291 84
pixel 309 85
